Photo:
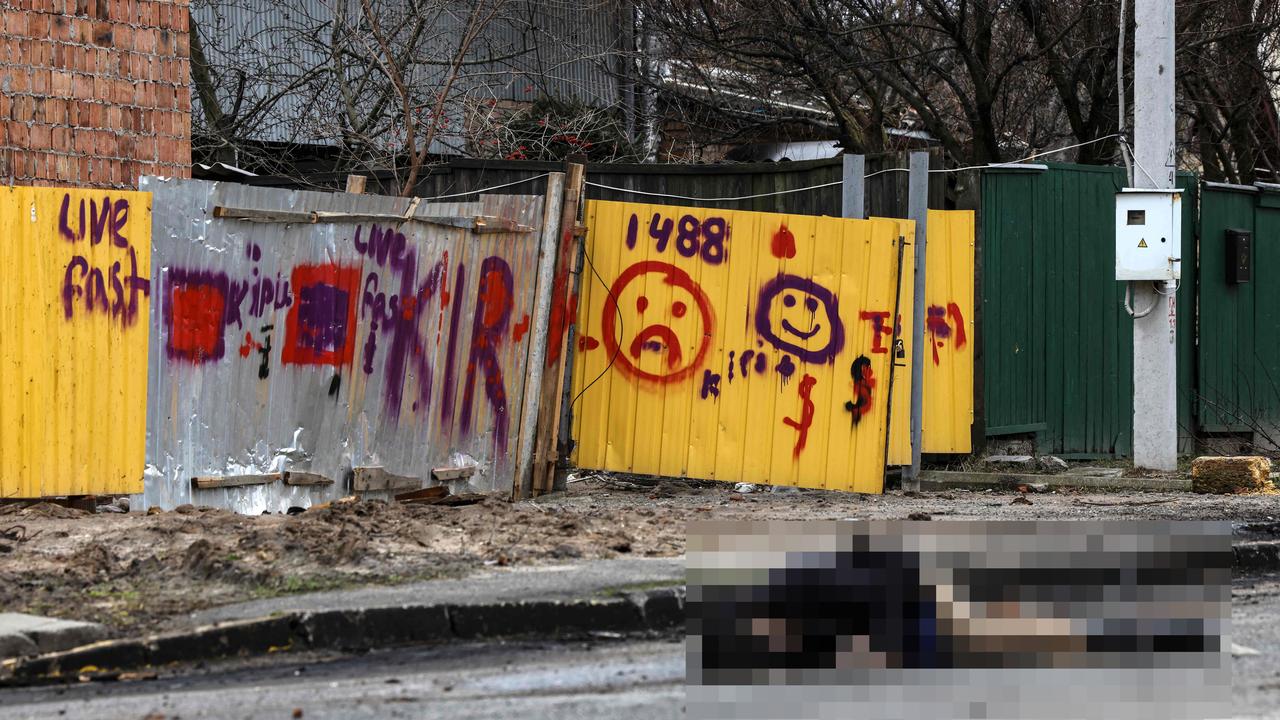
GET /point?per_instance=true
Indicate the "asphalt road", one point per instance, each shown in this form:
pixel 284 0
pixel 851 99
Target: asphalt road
pixel 610 679
pixel 621 680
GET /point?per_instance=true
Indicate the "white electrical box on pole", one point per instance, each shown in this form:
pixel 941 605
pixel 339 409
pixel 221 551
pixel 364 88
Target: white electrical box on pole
pixel 1155 370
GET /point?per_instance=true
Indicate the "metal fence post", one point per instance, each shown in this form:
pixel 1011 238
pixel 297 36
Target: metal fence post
pixel 853 191
pixel 917 210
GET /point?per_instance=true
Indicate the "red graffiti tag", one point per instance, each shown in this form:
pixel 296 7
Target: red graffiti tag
pixel 806 415
pixel 522 327
pixel 657 336
pixel 879 327
pixel 195 311
pixel 940 330
pixel 863 383
pixel 783 244
pixel 586 342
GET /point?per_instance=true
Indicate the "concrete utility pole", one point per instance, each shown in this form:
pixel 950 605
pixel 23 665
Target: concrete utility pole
pixel 1155 359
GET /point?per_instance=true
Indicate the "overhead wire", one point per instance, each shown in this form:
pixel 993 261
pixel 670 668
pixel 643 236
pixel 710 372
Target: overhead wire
pixel 650 193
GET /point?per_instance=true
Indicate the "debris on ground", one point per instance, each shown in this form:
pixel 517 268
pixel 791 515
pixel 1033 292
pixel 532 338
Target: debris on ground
pixel 141 570
pixel 1232 475
pixel 1052 463
pixel 1008 460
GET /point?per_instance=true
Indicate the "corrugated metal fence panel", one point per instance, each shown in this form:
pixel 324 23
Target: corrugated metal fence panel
pixel 1058 344
pixel 1014 337
pixel 319 347
pixel 73 337
pixel 948 370
pixel 1266 269
pixel 1239 378
pixel 1187 309
pixel 743 358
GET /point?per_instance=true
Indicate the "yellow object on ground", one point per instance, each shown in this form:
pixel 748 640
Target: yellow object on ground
pixel 1222 475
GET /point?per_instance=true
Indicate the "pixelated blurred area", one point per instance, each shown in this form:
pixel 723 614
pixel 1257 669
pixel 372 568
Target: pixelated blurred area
pixel 893 604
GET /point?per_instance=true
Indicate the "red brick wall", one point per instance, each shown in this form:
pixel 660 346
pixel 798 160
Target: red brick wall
pixel 93 92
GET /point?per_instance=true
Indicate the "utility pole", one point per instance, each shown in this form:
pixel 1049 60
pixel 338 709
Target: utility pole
pixel 917 210
pixel 1155 359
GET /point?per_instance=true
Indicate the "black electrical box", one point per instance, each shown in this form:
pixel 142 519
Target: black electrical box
pixel 1239 256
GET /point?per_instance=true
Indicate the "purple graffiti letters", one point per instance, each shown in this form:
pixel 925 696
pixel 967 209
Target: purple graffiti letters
pixel 790 333
pixel 710 384
pixel 694 237
pixel 446 396
pixel 383 245
pixel 107 219
pixel 83 280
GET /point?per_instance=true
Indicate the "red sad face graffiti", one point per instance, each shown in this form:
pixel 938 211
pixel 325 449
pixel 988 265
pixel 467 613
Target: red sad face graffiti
pixel 666 322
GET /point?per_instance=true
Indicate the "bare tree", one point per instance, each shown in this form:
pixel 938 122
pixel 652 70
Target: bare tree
pixel 990 80
pixel 389 86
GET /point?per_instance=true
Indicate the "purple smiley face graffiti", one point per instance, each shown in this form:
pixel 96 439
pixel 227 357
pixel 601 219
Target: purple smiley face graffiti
pixel 799 316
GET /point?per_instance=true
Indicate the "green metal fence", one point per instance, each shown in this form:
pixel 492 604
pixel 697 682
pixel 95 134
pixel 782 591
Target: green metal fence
pixel 1057 341
pixel 1238 358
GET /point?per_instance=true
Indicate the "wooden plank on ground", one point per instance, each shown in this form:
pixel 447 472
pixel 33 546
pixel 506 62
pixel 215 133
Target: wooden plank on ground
pixel 452 473
pixel 417 496
pixel 298 477
pixel 207 482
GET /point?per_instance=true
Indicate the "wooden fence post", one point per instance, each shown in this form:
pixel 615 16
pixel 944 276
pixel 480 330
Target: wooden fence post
pixel 530 409
pixel 545 453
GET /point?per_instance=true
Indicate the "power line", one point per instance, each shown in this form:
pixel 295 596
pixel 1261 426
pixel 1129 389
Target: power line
pixel 841 182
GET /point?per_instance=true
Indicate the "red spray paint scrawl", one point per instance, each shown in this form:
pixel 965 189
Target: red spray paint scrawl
pixel 806 415
pixel 940 329
pixel 783 245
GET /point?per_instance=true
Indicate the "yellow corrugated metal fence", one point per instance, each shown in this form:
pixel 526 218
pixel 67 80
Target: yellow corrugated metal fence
pixel 736 345
pixel 74 299
pixel 948 369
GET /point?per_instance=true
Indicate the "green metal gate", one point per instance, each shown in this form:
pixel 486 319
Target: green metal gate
pixel 1238 358
pixel 1057 341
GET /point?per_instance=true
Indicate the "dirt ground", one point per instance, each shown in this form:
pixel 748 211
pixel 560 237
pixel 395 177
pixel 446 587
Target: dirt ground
pixel 132 571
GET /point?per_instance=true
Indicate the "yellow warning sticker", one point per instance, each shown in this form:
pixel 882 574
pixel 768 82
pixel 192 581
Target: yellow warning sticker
pixel 1142 243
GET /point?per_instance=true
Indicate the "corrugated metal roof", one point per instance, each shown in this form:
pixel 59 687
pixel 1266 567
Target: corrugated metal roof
pixel 281 56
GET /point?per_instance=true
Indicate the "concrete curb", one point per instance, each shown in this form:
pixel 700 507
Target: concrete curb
pixel 944 479
pixel 22 634
pixel 657 610
pixel 1256 557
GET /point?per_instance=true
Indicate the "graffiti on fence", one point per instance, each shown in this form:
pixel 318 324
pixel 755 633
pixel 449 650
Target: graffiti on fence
pixel 73 383
pixel 736 334
pixel 949 361
pixel 380 295
pixel 85 284
pixel 392 344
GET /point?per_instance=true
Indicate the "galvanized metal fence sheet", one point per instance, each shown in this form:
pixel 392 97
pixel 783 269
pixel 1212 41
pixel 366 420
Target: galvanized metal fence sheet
pixel 735 345
pixel 74 295
pixel 948 371
pixel 339 344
